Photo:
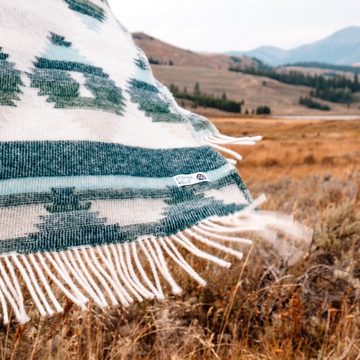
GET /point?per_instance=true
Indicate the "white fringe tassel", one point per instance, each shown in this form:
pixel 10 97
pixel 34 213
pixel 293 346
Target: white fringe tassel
pixel 219 142
pixel 123 273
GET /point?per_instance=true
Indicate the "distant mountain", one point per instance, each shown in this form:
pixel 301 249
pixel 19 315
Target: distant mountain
pixel 162 53
pixel 340 48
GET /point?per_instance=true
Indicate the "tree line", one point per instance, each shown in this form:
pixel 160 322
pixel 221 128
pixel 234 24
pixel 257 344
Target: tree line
pixel 154 61
pixel 337 89
pixel 199 98
pixel 325 66
pixel 312 104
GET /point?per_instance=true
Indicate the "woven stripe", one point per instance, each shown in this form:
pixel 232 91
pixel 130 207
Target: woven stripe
pixel 70 158
pixel 118 182
pixel 102 192
pixel 90 235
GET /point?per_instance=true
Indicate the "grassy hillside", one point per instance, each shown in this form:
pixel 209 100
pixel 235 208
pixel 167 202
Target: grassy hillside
pixel 254 90
pixel 183 68
pixel 164 53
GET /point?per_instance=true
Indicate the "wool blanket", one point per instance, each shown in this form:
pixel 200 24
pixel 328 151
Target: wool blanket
pixel 104 179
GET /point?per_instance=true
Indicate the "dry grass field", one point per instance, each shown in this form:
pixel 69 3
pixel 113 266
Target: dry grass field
pixel 296 149
pixel 262 308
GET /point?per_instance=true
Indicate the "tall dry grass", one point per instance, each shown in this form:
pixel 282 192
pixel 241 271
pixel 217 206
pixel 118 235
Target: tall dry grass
pixel 262 308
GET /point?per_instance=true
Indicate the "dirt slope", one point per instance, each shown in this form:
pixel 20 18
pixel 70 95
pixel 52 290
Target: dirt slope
pixel 165 53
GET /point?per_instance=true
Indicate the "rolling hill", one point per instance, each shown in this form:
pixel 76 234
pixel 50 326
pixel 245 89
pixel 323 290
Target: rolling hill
pixel 340 48
pixel 211 72
pixel 254 90
pixel 165 54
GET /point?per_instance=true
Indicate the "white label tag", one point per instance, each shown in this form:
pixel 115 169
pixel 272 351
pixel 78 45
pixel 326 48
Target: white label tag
pixel 191 179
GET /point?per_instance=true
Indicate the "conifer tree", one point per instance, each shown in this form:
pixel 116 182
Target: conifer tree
pixel 197 89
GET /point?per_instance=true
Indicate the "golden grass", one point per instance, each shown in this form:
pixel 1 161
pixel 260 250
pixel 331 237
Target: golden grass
pixel 296 148
pixel 261 308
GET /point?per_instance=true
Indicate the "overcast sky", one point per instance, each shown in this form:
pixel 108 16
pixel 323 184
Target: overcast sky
pixel 221 25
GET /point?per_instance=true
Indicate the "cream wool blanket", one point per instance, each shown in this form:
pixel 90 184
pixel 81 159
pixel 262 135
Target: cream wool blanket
pixel 104 179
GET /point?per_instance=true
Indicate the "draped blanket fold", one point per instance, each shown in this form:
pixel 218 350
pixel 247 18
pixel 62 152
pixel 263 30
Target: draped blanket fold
pixel 104 179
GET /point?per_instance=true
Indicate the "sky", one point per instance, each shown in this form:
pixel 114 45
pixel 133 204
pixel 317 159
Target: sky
pixel 224 25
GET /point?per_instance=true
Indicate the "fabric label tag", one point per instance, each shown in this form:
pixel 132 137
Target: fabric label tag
pixel 191 179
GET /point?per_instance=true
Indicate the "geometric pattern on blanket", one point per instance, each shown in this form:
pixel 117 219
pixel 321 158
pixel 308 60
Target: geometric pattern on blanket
pixel 91 150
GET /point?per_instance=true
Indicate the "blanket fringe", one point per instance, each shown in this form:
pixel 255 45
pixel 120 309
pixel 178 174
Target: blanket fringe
pixel 219 142
pixel 111 275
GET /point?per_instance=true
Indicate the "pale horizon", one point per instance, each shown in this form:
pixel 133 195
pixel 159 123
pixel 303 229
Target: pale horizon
pixel 202 25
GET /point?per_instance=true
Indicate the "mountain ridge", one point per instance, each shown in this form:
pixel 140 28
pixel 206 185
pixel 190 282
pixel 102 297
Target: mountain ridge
pixel 340 48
